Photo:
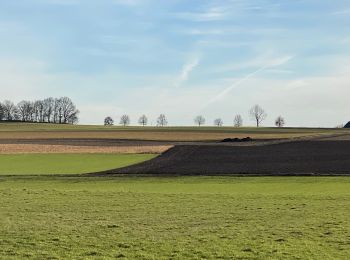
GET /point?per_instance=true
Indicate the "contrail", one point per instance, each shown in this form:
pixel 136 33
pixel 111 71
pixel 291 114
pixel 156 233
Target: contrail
pixel 239 82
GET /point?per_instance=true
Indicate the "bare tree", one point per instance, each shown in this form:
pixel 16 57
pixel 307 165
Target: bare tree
pixel 280 122
pixel 38 111
pixel 48 104
pixel 199 120
pixel 218 122
pixel 1 112
pixel 161 120
pixel 143 120
pixel 57 115
pixel 125 120
pixel 21 110
pixel 257 114
pixel 10 110
pixel 68 111
pixel 108 121
pixel 238 121
pixel 25 110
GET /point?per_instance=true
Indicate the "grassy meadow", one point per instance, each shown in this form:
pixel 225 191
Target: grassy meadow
pixel 37 164
pixel 174 218
pixel 46 216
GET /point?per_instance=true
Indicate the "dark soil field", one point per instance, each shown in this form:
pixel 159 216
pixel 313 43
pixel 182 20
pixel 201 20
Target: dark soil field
pixel 293 158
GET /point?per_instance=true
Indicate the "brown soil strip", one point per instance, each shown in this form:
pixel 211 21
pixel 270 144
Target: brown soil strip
pixel 39 148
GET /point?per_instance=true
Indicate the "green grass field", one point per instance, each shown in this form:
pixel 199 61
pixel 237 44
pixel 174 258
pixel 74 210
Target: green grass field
pixel 36 164
pixel 174 218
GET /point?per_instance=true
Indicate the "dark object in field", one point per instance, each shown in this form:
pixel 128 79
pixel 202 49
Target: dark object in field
pixel 236 140
pixel 347 125
pixel 294 158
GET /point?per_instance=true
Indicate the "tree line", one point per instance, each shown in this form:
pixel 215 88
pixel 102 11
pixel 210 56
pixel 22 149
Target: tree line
pixel 143 120
pixel 50 110
pixel 256 113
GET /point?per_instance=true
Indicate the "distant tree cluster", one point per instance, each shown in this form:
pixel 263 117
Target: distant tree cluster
pixel 143 120
pixel 50 110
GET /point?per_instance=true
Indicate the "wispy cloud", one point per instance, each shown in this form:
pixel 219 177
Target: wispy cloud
pixel 186 70
pixel 76 2
pixel 232 30
pixel 60 2
pixel 279 71
pixel 204 31
pixel 131 48
pixel 127 2
pixel 345 40
pixel 211 14
pixel 341 12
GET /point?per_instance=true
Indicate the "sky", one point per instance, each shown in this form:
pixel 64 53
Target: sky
pixel 181 58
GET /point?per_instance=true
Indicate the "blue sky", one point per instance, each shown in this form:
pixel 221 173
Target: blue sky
pixel 181 58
